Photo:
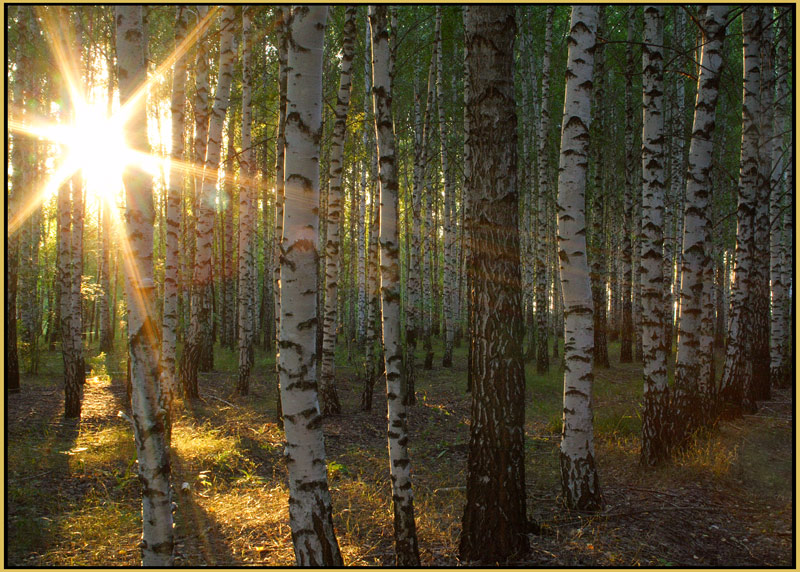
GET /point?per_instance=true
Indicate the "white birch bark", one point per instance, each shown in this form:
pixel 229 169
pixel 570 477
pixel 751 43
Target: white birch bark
pixel 405 534
pixel 327 388
pixel 780 365
pixel 693 393
pixel 654 359
pixel 735 395
pixel 149 417
pixel 310 509
pixel 626 333
pixel 580 484
pixel 247 218
pixel 169 338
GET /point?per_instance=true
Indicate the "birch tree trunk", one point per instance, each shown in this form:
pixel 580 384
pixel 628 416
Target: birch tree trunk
pixel 760 293
pixel 654 359
pixel 626 333
pixel 449 206
pixel 494 523
pixel 201 210
pixel 737 376
pixel 247 218
pixel 310 509
pixel 542 349
pixel 328 397
pixel 169 382
pixel 580 484
pixel 693 394
pixel 149 418
pixel 780 365
pixel 284 27
pixel 405 533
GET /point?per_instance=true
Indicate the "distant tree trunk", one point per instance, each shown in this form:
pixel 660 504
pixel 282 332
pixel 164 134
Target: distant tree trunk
pixel 542 349
pixel 693 394
pixel 494 522
pixel 12 257
pixel 737 376
pixel 201 261
pixel 228 262
pixel 449 206
pixel 328 396
pixel 597 255
pixel 284 30
pixel 580 484
pixel 148 417
pixel 626 333
pixel 780 364
pixel 169 382
pixel 428 237
pixel 247 219
pixel 760 291
pixel 309 500
pixel 654 360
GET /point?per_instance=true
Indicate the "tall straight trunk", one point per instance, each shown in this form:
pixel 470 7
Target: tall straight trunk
pixel 149 417
pixel 542 349
pixel 468 218
pixel 428 236
pixel 597 258
pixel 626 333
pixel 19 150
pixel 673 215
pixel 228 299
pixel 413 306
pixel 654 360
pixel 72 373
pixel 200 262
pixel 405 532
pixel 247 218
pixel 169 338
pixel 494 522
pixel 449 206
pixel 284 28
pixel 310 512
pixel 737 376
pixel 780 365
pixel 364 213
pixel 580 484
pixel 693 395
pixel 76 272
pixel 327 389
pixel 758 334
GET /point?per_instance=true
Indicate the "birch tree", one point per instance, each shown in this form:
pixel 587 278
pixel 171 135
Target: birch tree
pixel 247 218
pixel 149 417
pixel 654 359
pixel 494 526
pixel 580 484
pixel 735 393
pixel 310 512
pixel 405 532
pixel 693 393
pixel 328 397
pixel 542 354
pixel 626 334
pixel 169 386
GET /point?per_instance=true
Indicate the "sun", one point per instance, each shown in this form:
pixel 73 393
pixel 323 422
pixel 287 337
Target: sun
pixel 96 145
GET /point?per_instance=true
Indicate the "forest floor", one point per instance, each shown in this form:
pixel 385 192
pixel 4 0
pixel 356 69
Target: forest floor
pixel 72 496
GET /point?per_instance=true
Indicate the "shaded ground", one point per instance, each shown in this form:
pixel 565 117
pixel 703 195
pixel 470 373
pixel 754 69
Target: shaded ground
pixel 72 495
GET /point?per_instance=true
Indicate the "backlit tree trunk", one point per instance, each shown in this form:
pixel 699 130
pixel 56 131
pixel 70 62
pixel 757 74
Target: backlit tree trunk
pixel 405 533
pixel 494 522
pixel 169 385
pixel 309 499
pixel 654 359
pixel 735 394
pixel 327 388
pixel 149 417
pixel 247 219
pixel 580 484
pixel 692 394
